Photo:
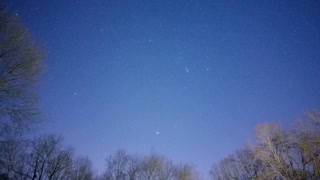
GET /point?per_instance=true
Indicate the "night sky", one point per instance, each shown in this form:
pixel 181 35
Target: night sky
pixel 187 79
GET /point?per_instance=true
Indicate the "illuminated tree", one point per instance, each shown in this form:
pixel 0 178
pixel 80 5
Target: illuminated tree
pixel 278 154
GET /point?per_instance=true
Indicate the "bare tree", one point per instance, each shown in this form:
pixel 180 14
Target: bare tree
pixel 241 166
pixel 306 142
pixel 134 167
pixel 312 146
pixel 81 169
pixel 186 172
pixel 122 166
pixel 21 62
pixel 48 159
pixel 285 153
pixel 279 154
pixel 273 149
pixel 157 167
pixel 116 166
pixel 12 158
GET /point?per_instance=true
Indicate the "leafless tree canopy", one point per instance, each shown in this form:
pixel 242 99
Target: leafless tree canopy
pixel 279 154
pixel 21 62
pixel 122 166
pixel 44 158
pixel 81 169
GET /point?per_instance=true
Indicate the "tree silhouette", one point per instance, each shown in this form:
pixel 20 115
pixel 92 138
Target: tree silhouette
pixel 21 63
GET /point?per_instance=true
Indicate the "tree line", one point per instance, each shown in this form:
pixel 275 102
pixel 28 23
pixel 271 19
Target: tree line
pixel 45 158
pixel 277 154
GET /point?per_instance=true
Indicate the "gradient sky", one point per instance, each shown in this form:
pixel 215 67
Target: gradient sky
pixel 187 79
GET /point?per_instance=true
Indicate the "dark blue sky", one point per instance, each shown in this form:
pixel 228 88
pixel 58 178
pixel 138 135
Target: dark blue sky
pixel 188 79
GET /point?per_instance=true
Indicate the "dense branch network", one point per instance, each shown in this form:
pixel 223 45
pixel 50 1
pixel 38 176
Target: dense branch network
pixel 21 63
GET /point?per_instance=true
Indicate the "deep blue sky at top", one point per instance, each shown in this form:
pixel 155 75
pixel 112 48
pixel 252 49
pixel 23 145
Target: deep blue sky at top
pixel 188 79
